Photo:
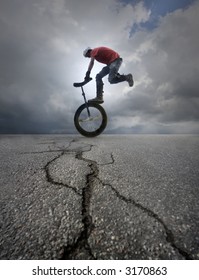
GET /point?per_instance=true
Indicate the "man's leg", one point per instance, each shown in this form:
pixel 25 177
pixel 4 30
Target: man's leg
pixel 99 85
pixel 115 77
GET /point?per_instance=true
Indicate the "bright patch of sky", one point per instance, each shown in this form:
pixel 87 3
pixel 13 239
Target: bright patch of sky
pixel 157 8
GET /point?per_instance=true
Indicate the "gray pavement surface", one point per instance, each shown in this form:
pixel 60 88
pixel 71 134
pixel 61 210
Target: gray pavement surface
pixel 111 197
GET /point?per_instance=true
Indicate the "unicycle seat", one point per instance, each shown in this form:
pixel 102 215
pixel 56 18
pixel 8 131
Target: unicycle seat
pixel 82 83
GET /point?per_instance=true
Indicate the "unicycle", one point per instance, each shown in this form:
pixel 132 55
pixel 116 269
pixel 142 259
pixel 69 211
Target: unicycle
pixel 90 119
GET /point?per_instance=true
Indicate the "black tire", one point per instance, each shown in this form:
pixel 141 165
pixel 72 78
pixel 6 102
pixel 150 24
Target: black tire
pixel 98 122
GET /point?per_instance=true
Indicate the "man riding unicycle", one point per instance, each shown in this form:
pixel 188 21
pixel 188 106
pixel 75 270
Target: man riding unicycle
pixel 113 62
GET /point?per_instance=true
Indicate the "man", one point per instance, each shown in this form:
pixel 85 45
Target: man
pixel 113 62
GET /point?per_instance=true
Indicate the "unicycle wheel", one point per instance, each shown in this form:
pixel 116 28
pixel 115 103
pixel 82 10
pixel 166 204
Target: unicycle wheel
pixel 90 119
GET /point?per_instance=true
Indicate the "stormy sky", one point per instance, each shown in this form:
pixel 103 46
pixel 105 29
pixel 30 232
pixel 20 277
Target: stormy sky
pixel 41 45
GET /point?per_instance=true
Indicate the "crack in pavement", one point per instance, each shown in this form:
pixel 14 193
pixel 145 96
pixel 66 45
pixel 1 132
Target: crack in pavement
pixel 50 179
pixel 62 150
pixel 108 163
pixel 82 241
pixel 169 235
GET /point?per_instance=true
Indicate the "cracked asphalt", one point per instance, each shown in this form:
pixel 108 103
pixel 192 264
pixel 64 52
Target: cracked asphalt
pixel 111 197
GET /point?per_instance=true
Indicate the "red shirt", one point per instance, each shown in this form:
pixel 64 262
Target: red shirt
pixel 104 55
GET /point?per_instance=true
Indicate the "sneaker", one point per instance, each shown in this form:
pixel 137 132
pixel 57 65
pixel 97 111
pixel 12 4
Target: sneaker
pixel 97 100
pixel 129 79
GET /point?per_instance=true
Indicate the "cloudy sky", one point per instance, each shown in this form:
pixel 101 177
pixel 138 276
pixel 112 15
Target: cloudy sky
pixel 41 45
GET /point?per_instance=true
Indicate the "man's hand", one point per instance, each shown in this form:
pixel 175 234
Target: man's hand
pixel 87 75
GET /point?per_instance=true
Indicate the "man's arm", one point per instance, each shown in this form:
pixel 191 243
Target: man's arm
pixel 91 64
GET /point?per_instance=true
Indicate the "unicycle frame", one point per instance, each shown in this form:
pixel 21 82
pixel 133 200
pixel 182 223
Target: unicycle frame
pixel 86 81
pixel 84 96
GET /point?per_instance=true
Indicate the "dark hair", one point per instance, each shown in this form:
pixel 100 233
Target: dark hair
pixel 89 51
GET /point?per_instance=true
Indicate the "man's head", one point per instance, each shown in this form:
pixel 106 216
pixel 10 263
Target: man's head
pixel 87 52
